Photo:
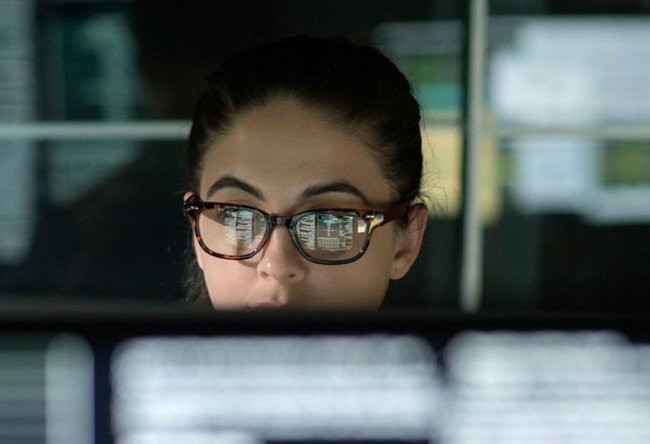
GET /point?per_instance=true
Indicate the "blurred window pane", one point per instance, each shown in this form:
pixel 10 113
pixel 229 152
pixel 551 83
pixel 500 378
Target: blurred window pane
pixel 96 206
pixel 570 112
pixel 94 210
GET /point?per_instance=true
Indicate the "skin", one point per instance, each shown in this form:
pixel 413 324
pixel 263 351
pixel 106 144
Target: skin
pixel 283 158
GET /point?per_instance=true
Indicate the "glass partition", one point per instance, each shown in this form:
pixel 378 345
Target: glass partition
pixel 99 97
pixel 567 125
pixel 96 98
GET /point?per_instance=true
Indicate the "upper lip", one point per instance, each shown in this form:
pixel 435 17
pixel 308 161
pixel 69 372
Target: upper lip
pixel 266 305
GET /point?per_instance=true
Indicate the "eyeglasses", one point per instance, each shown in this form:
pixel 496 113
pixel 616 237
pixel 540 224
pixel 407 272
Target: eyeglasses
pixel 324 236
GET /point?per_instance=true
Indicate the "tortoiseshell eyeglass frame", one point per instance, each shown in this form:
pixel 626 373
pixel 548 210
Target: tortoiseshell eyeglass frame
pixel 193 206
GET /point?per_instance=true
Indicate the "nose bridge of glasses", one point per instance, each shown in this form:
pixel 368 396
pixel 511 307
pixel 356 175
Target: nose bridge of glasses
pixel 280 220
pixel 287 222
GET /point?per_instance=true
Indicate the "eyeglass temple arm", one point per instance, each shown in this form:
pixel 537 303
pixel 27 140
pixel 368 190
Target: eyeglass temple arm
pixel 397 211
pixel 401 208
pixel 192 204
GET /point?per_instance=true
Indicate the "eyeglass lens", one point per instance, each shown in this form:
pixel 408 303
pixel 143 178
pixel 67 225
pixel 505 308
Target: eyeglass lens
pixel 322 235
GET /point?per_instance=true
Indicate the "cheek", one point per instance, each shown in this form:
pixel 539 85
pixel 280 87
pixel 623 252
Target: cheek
pixel 381 250
pixel 223 280
pixel 360 287
pixel 361 284
pixel 376 265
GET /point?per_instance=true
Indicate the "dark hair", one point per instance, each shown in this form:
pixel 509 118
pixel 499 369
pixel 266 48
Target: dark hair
pixel 355 86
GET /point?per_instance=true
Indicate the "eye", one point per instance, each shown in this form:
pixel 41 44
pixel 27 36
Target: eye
pixel 329 231
pixel 233 230
pixel 244 221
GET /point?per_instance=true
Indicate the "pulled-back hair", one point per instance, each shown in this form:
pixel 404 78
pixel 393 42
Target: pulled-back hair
pixel 355 87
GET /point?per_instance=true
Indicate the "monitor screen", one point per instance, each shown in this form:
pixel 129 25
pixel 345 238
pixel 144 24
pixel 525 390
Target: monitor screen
pixel 178 375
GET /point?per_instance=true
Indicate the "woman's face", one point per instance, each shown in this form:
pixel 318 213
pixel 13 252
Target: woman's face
pixel 284 158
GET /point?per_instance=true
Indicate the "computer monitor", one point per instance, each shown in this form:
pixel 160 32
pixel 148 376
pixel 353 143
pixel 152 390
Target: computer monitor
pixel 138 375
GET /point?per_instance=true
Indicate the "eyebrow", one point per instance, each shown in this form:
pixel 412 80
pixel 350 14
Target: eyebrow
pixel 334 187
pixel 232 182
pixel 228 181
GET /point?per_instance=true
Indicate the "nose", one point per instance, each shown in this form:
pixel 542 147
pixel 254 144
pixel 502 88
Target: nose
pixel 281 261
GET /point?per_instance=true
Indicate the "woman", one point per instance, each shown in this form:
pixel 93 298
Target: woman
pixel 304 165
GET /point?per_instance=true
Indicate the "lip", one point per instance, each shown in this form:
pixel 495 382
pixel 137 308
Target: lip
pixel 266 306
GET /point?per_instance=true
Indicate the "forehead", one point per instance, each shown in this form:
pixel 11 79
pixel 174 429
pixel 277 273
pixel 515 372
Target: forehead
pixel 286 145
